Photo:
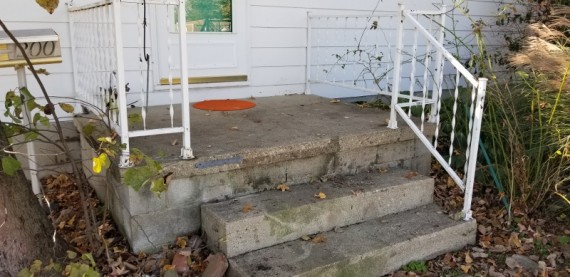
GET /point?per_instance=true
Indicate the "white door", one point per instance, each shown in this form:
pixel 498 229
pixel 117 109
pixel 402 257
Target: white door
pixel 216 42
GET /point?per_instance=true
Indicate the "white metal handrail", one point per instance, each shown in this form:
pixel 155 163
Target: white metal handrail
pixel 418 36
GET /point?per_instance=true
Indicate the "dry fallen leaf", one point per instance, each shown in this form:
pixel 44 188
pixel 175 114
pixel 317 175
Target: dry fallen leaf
pixel 514 240
pixel 465 268
pixel 305 238
pixel 321 195
pixel 468 258
pixel 450 183
pixel 282 187
pixel 168 267
pixel 181 242
pixel 411 175
pixel 247 208
pixel 482 229
pixel 320 238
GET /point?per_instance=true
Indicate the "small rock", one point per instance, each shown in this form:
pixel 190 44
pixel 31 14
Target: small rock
pixel 519 261
pixel 493 273
pixel 479 255
pixel 180 263
pixel 217 266
pixel 498 248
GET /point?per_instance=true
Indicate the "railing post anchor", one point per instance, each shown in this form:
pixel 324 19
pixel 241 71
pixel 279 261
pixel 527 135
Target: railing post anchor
pixel 186 154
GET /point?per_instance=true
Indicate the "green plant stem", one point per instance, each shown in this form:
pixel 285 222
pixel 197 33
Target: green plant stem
pixel 562 83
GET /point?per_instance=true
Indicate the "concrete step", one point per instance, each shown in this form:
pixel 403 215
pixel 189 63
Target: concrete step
pixel 276 217
pixel 373 248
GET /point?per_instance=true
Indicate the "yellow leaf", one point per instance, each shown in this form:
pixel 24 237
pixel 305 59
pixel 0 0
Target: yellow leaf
pixel 67 107
pixel 36 266
pixel 321 195
pixel 71 255
pixel 168 267
pixel 71 221
pixel 468 258
pixel 465 268
pixel 48 5
pixel 514 240
pixel 101 162
pixel 181 242
pixel 320 238
pixel 282 187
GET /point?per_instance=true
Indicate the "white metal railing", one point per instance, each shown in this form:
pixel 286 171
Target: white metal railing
pixel 402 55
pixel 99 63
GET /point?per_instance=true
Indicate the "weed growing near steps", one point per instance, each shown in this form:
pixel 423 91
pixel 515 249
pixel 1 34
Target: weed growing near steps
pixel 526 127
pixel 416 266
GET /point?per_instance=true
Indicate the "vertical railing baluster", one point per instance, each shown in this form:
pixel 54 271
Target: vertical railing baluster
pixel 186 151
pixel 141 33
pixel 393 123
pixel 169 51
pixel 413 70
pixel 474 147
pixel 438 68
pixel 120 60
pixel 454 114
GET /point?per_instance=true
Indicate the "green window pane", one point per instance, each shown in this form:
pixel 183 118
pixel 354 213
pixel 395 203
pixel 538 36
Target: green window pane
pixel 209 15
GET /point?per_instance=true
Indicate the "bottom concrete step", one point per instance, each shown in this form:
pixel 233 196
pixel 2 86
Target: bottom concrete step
pixel 372 248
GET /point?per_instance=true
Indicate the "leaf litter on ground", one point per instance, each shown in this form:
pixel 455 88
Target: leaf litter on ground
pixel 116 259
pixel 528 245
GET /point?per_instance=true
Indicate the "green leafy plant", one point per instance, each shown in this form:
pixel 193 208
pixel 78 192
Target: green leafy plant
pixel 416 266
pixel 77 266
pixel 564 240
pixel 146 171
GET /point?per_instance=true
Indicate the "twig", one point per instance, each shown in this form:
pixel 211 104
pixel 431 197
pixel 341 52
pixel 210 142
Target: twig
pixel 88 220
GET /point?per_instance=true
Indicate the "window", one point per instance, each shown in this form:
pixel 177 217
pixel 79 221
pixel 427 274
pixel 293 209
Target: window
pixel 209 15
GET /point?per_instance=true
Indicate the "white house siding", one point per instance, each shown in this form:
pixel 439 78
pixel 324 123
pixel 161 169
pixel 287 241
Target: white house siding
pixel 28 15
pixel 278 31
pixel 276 35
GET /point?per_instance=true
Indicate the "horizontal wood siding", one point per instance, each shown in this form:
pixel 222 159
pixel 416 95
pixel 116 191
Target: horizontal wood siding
pixel 276 32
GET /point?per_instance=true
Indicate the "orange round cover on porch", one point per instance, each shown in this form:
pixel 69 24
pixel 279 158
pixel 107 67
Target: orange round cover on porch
pixel 224 105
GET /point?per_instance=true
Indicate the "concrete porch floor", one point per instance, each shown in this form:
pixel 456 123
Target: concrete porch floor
pixel 275 121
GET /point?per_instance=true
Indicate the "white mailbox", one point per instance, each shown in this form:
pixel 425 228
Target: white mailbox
pixel 42 46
